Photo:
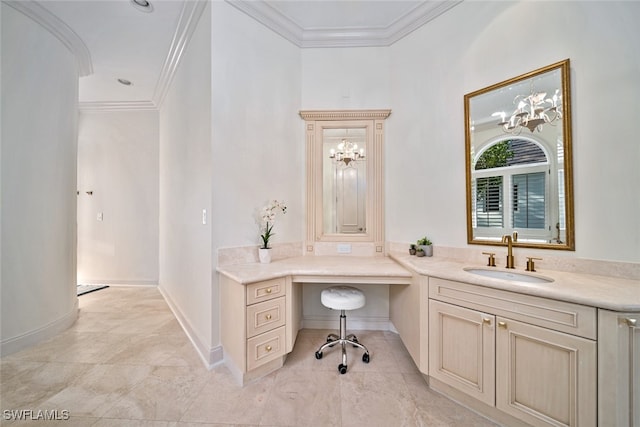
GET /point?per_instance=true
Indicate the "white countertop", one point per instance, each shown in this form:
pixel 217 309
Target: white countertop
pixel 597 291
pixel 320 266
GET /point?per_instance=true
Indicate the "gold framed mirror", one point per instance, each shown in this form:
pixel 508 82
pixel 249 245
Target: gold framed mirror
pixel 345 199
pixel 519 160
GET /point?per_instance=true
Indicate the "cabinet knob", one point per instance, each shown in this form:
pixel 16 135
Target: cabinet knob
pixel 268 348
pixel 486 321
pixel 268 290
pixel 502 325
pixel 268 317
pixel 631 322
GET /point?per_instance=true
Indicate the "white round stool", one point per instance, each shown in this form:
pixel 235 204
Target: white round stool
pixel 343 298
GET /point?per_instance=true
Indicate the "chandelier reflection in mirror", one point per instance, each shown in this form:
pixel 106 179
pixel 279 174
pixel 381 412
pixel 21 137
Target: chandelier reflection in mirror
pixel 532 112
pixel 347 152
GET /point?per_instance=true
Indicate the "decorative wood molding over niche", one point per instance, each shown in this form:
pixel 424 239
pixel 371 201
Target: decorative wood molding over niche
pixel 345 184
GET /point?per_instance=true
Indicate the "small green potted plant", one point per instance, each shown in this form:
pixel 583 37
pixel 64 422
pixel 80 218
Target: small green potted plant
pixel 420 252
pixel 412 249
pixel 426 245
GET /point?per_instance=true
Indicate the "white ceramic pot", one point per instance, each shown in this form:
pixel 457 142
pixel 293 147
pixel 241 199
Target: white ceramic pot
pixel 264 255
pixel 428 250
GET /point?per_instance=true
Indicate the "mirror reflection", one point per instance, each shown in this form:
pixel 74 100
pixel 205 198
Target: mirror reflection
pixel 344 185
pixel 518 157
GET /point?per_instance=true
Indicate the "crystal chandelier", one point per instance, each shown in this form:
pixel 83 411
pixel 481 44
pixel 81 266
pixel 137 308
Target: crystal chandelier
pixel 347 152
pixel 532 112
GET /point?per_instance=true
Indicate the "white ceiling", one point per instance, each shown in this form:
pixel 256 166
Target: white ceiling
pixel 116 40
pixel 123 42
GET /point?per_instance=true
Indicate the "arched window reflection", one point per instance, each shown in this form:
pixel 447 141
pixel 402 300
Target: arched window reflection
pixel 511 187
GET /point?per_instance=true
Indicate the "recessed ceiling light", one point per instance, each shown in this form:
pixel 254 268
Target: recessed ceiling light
pixel 125 82
pixel 142 5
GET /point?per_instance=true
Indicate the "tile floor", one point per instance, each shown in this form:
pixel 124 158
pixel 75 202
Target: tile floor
pixel 126 362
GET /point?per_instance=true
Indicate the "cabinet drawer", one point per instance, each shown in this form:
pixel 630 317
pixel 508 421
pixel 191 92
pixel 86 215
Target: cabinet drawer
pixel 266 290
pixel 265 348
pixel 561 316
pixel 264 316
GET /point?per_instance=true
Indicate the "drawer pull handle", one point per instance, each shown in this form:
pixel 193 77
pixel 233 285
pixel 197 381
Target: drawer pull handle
pixel 268 290
pixel 631 322
pixel 268 316
pixel 502 325
pixel 268 348
pixel 486 321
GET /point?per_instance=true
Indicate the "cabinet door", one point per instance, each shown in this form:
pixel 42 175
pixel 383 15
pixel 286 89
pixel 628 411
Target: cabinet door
pixel 544 377
pixel 618 369
pixel 462 349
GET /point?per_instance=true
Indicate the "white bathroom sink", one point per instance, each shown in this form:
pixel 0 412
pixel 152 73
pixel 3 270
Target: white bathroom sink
pixel 508 275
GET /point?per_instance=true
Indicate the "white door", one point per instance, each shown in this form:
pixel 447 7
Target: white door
pixel 350 198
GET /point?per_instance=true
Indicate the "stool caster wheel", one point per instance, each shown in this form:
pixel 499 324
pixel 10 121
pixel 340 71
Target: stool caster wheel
pixel 365 358
pixel 342 368
pixel 355 340
pixel 318 355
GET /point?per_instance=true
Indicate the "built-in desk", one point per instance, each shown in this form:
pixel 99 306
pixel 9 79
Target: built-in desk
pixel 563 352
pixel 261 304
pixel 322 269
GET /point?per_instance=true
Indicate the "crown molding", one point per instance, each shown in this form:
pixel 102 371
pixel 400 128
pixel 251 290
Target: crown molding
pixel 343 37
pixel 187 23
pixel 39 14
pixel 418 17
pixel 344 114
pixel 271 18
pixel 117 106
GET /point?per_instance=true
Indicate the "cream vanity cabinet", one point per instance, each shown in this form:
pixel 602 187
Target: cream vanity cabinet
pixel 618 368
pixel 258 325
pixel 531 358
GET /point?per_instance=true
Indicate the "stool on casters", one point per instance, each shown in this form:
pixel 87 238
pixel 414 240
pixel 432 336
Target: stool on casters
pixel 343 298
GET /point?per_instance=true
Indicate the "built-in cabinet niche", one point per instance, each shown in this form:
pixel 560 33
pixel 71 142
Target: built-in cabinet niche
pixel 345 183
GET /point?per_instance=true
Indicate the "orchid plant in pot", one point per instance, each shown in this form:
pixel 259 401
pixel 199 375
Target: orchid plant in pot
pixel 267 220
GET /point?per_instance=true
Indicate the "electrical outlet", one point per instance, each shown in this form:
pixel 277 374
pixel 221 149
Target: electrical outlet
pixel 100 216
pixel 344 248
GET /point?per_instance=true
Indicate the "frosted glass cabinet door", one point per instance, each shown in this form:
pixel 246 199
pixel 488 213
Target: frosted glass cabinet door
pixel 618 369
pixel 545 377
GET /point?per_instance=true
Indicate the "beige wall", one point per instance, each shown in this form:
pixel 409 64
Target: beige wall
pixel 185 251
pixel 118 162
pixel 38 181
pixel 257 140
pixel 477 44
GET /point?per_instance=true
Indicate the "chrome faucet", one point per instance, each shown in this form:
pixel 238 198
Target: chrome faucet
pixel 509 241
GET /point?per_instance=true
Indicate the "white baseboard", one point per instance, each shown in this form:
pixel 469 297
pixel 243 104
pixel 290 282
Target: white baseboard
pixel 353 323
pixel 28 339
pixel 211 356
pixel 116 282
